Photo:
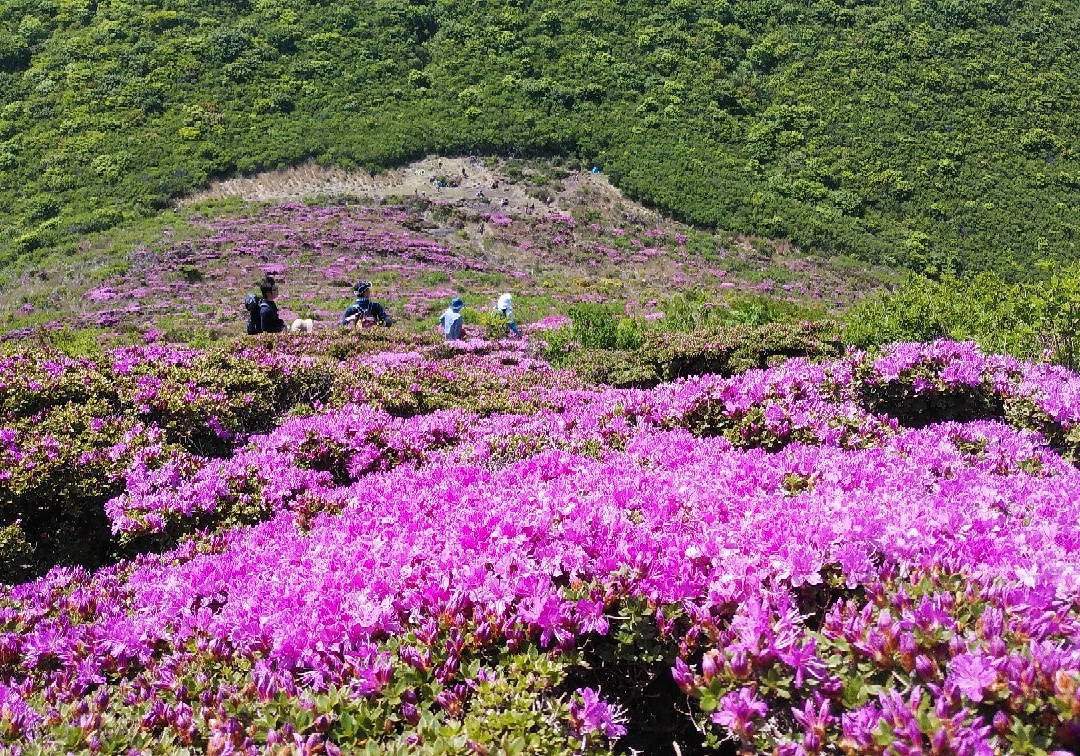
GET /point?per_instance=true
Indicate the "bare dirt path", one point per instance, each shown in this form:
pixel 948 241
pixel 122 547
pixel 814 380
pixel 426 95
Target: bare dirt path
pixel 476 184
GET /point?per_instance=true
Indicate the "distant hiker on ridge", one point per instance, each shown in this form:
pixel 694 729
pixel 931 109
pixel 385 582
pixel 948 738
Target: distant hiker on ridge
pixel 451 320
pixel 363 312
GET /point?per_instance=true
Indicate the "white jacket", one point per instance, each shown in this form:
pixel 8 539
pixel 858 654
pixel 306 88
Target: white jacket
pixel 505 306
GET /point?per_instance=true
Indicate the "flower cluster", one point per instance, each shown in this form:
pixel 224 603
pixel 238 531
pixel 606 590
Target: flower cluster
pixel 816 566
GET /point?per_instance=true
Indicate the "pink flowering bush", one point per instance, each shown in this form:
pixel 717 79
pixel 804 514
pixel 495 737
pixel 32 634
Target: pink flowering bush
pixel 131 427
pixel 465 549
pixel 291 467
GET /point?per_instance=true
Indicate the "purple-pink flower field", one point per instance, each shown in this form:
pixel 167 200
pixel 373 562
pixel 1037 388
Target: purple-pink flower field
pixel 878 554
pixel 192 279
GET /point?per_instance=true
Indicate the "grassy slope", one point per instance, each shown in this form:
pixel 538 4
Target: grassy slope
pixel 935 134
pixel 186 271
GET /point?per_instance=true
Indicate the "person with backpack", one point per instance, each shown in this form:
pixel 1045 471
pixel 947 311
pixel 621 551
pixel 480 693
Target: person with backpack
pixel 452 321
pixel 262 310
pixel 364 313
pixel 505 307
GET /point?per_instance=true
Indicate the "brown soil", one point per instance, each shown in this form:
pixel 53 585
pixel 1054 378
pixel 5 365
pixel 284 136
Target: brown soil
pixel 417 178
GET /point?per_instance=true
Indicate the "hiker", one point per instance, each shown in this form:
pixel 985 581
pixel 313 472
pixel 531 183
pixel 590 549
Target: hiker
pixel 262 311
pixel 363 312
pixel 269 319
pixel 451 319
pixel 505 307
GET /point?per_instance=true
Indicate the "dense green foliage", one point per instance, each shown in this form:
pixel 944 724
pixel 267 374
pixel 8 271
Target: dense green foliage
pixel 1039 320
pixel 693 338
pixel 935 134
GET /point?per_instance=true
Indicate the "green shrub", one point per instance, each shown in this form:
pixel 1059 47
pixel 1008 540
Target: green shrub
pixel 603 326
pixel 491 325
pixel 664 356
pixel 696 311
pixel 1035 320
pixel 15 552
pixel 74 342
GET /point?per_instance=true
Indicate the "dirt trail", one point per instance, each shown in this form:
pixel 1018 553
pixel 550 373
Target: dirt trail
pixel 418 178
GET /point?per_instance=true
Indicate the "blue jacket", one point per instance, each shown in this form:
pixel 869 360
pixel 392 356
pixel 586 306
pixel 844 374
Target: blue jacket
pixel 451 322
pixel 269 319
pixel 365 307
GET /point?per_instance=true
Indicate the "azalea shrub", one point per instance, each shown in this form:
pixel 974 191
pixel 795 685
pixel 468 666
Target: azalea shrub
pixel 76 433
pixel 462 548
pixel 69 428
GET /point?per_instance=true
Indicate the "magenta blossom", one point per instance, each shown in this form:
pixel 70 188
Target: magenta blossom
pixel 738 710
pixel 972 674
pixel 594 714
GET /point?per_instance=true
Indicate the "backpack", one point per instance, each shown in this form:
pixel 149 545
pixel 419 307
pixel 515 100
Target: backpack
pixel 251 304
pixel 365 318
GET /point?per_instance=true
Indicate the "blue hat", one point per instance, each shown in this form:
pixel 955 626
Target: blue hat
pixel 457 303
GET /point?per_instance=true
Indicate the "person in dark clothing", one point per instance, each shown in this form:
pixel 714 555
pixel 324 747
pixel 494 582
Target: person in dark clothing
pixel 363 312
pixel 269 319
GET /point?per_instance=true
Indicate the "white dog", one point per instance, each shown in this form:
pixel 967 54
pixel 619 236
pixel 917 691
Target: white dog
pixel 305 325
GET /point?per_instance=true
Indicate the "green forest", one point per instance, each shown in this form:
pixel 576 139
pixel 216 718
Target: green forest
pixel 938 135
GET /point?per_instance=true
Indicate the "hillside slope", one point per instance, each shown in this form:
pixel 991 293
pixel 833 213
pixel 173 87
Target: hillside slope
pixel 553 237
pixel 937 134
